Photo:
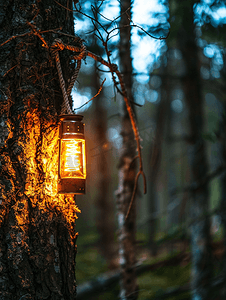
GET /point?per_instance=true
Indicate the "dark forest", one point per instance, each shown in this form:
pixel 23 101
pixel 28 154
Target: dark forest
pixel 113 150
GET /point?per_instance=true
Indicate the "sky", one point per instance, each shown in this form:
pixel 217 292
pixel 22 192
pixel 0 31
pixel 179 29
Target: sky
pixel 146 50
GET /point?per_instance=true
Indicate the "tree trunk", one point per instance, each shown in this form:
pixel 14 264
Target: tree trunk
pixel 223 176
pixel 104 200
pixel 127 228
pixel 37 226
pixel 200 230
pixel 105 218
pixel 156 155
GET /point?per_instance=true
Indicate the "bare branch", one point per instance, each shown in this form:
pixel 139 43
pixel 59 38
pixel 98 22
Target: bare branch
pixel 37 32
pixel 101 86
pixel 14 37
pixel 114 69
pixel 10 70
pixel 154 37
pixel 64 6
pixel 141 172
pixel 142 29
pixel 96 29
pixel 91 18
pixel 30 32
pixel 97 11
pixel 59 45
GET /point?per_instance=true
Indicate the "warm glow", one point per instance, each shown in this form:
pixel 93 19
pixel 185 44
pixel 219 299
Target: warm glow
pixel 72 158
pixel 40 194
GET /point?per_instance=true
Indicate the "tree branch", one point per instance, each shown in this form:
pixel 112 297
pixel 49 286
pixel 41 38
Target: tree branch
pixel 58 45
pixel 101 86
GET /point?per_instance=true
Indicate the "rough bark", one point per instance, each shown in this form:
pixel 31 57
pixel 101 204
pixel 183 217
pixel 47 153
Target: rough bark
pixel 37 226
pixel 200 230
pixel 127 228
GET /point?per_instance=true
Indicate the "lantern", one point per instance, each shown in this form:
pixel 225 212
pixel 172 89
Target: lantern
pixel 72 156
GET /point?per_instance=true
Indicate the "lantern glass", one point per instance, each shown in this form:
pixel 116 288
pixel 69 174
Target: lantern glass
pixel 73 162
pixel 72 156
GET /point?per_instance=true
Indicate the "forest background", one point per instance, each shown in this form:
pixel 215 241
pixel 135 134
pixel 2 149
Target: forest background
pixel 172 56
pixel 162 113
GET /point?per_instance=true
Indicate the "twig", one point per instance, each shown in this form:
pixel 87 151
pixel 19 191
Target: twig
pixel 59 45
pixel 141 172
pixel 117 28
pixel 14 37
pixel 37 32
pixel 125 12
pixel 101 86
pixel 99 59
pixel 30 32
pixel 97 11
pixel 10 70
pixel 64 6
pixel 91 18
pixel 138 26
pixel 114 69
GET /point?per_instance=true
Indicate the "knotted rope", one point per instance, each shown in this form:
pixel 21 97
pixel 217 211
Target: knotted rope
pixel 55 48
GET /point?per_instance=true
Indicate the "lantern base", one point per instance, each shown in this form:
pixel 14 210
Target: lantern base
pixel 71 186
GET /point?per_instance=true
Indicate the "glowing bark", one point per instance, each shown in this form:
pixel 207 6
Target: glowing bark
pixel 37 226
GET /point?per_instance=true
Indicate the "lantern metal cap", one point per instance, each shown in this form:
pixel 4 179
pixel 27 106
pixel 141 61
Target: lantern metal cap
pixel 71 117
pixel 71 125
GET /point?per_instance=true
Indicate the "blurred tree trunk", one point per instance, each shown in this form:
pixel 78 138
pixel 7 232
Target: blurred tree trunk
pixel 127 170
pixel 37 226
pixel 222 132
pixel 171 166
pixel 170 159
pixel 200 229
pixel 105 210
pixel 156 154
pixel 105 217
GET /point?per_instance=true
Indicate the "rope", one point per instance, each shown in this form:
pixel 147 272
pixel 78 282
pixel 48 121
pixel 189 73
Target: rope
pixel 59 45
pixel 74 77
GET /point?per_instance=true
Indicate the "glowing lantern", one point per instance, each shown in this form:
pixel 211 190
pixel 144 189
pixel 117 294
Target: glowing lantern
pixel 72 156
